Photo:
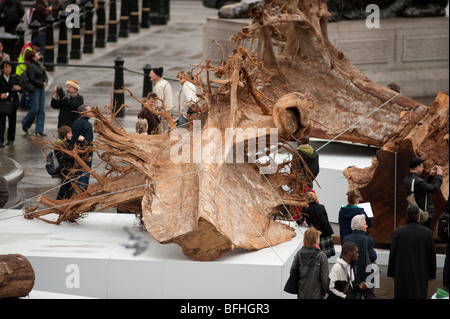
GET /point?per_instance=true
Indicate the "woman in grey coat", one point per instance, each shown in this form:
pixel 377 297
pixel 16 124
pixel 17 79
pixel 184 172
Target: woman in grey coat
pixel 313 266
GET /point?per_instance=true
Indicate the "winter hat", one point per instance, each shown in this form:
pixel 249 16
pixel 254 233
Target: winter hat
pixel 37 42
pixel 159 71
pixel 74 84
pixel 413 162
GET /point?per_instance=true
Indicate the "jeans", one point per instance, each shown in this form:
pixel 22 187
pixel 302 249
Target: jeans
pixel 82 181
pixel 37 109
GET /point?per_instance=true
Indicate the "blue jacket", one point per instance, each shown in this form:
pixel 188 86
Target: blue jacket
pixel 345 217
pixel 81 126
pixel 359 238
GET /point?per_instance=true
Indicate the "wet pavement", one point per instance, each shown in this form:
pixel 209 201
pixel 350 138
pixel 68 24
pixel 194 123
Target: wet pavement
pixel 175 46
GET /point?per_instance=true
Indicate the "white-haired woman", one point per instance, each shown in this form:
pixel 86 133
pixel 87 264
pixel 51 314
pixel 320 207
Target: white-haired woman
pixel 366 252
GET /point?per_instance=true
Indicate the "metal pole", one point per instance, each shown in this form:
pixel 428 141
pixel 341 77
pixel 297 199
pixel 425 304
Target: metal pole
pixel 49 47
pixel 101 27
pixel 34 26
pixel 124 17
pixel 112 22
pixel 88 46
pixel 62 41
pixel 118 96
pixel 145 16
pixel 134 16
pixel 75 49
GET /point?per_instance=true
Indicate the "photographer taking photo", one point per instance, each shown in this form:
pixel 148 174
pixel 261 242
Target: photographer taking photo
pixel 67 103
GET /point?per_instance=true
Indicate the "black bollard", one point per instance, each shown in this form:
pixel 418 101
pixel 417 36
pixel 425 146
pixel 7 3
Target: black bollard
pixel 62 40
pixel 101 27
pixel 34 26
pixel 148 86
pixel 20 32
pixel 118 96
pixel 112 22
pixel 145 15
pixel 159 11
pixel 49 48
pixel 88 46
pixel 75 49
pixel 124 17
pixel 134 16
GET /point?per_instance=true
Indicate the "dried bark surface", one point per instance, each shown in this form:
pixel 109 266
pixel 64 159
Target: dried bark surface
pixel 16 276
pixel 293 78
pixel 423 133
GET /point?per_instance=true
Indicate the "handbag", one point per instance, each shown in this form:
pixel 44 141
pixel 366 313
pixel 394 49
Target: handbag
pixel 412 202
pixel 291 285
pixel 6 107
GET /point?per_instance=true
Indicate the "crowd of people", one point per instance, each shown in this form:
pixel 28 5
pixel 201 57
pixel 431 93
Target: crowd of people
pixel 412 255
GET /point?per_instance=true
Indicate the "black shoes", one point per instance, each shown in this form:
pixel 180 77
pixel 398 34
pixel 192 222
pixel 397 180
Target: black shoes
pixel 9 143
pixel 26 131
pixel 40 134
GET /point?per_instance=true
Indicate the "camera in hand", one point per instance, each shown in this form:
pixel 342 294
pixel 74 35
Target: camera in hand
pixel 60 92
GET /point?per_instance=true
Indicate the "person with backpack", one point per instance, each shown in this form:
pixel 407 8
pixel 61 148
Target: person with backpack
pixel 11 13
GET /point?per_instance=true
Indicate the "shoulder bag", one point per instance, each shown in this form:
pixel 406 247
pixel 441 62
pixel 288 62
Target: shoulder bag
pixel 412 202
pixel 292 283
pixel 6 106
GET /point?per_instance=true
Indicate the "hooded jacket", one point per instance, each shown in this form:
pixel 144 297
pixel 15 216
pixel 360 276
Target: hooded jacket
pixel 313 266
pixel 338 281
pixel 311 158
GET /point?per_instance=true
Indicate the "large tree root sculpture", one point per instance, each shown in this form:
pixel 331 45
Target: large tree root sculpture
pixel 423 133
pixel 198 198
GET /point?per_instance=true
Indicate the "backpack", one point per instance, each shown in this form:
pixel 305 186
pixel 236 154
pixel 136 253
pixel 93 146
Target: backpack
pixel 442 226
pixel 52 164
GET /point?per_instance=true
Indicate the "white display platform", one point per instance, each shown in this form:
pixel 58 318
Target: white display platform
pixel 88 258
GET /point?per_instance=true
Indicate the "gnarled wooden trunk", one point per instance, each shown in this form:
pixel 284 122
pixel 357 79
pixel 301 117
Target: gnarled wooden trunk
pixel 423 133
pixel 294 77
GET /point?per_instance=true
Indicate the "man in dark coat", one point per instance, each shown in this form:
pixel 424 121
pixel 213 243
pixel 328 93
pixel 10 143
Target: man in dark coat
pixel 67 104
pixel 412 258
pixel 423 187
pixel 9 88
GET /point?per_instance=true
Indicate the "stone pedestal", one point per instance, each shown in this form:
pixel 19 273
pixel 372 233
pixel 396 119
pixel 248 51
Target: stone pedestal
pixel 13 173
pixel 89 259
pixel 412 52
